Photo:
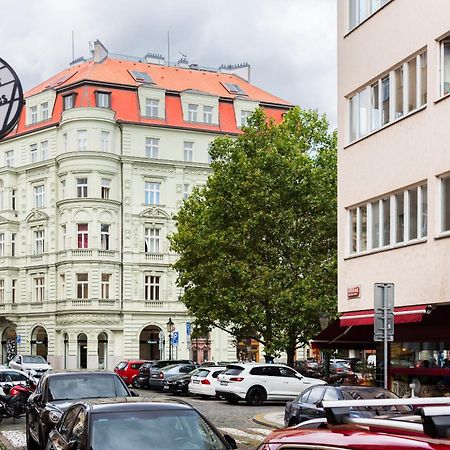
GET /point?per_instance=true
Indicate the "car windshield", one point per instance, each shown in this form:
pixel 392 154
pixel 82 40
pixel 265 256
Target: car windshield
pixel 121 365
pixel 35 359
pixel 70 387
pixel 159 430
pixel 165 369
pixel 377 394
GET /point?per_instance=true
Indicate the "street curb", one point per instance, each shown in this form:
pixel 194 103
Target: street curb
pixel 260 420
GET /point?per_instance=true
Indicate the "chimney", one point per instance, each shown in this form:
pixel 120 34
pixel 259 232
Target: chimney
pixel 241 70
pixel 154 58
pixel 100 52
pixel 183 63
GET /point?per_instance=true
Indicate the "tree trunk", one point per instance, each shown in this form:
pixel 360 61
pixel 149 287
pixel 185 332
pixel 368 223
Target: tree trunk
pixel 291 355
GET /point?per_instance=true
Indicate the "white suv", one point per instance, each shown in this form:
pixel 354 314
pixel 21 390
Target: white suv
pixel 256 383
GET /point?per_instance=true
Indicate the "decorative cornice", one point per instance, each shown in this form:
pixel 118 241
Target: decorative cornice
pixel 88 319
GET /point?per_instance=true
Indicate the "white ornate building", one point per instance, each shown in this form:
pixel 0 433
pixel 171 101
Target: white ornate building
pixel 102 157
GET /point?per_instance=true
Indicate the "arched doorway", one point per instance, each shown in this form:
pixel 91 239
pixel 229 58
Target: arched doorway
pixel 151 343
pixel 66 349
pixel 82 351
pixel 102 351
pixel 39 342
pixel 9 344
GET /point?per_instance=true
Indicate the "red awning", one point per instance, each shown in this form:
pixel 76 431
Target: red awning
pixel 404 314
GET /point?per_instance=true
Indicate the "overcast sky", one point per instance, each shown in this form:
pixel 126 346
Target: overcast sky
pixel 289 44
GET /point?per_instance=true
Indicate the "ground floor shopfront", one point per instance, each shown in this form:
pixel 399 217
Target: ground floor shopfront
pixel 100 341
pixel 419 354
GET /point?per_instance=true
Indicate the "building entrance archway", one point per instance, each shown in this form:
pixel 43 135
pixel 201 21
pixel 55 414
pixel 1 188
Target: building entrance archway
pixel 9 344
pixel 82 351
pixel 151 343
pixel 39 342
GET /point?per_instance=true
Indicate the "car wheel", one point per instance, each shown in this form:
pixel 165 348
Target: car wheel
pixel 256 396
pixel 292 422
pixel 135 383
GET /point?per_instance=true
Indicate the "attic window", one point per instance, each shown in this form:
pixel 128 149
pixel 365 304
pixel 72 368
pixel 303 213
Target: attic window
pixel 234 89
pixel 142 77
pixel 69 101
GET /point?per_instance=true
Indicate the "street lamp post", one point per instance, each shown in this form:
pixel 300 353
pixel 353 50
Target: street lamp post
pixel 170 330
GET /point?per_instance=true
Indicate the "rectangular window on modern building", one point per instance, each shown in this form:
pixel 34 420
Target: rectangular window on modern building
pixel 82 285
pixel 404 212
pixel 188 150
pixel 152 193
pixel 106 285
pixel 360 10
pixel 192 112
pixel 445 66
pixel 106 186
pixel 82 187
pixel 104 236
pixel 152 240
pixel 39 242
pixel 82 140
pixel 151 147
pixel 390 97
pixel 151 287
pixel 151 107
pixel 82 235
pixel 39 196
pixel 39 286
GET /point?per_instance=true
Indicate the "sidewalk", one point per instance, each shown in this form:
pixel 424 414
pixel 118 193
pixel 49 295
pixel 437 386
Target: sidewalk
pixel 271 420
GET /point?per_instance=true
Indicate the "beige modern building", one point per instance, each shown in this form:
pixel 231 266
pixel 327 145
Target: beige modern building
pixel 394 179
pixel 101 160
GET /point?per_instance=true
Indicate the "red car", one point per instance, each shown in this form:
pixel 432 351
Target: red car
pixel 127 369
pixel 428 431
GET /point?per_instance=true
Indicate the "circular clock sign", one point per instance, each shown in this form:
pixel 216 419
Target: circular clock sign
pixel 11 98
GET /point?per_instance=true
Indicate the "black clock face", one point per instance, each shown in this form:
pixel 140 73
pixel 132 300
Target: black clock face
pixel 11 98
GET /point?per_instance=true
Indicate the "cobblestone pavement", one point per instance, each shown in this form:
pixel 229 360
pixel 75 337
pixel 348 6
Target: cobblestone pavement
pixel 235 420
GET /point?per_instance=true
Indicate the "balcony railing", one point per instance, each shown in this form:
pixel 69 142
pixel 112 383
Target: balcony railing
pixel 154 256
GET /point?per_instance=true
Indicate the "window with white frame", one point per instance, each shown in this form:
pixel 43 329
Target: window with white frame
pixel 39 242
pixel 186 189
pixel 44 150
pixel 401 91
pixel 39 196
pixel 360 10
pixel 34 114
pixel 445 66
pixel 62 286
pixel 82 285
pixel 445 204
pixel 68 101
pixel 192 112
pixel 13 244
pixel 33 153
pixel 106 186
pixel 106 286
pixel 207 114
pixel 82 235
pixel 2 244
pixel 392 219
pixel 244 117
pixel 104 236
pixel 63 236
pixel 44 111
pixel 151 287
pixel 82 140
pixel 188 150
pixel 103 99
pixel 104 136
pixel 13 290
pixel 2 290
pixel 39 286
pixel 152 193
pixel 82 187
pixel 152 239
pixel 9 158
pixel 151 147
pixel 151 107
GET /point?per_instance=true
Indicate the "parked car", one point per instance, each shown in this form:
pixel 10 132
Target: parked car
pixel 116 424
pixel 309 368
pixel 204 382
pixel 34 365
pixel 140 379
pixel 157 377
pixel 127 369
pixel 308 405
pixel 179 383
pixel 55 392
pixel 12 377
pixel 256 383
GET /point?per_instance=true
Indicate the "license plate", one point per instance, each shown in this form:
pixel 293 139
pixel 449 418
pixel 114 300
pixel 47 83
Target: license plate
pixel 154 376
pixel 195 381
pixel 165 388
pixel 224 383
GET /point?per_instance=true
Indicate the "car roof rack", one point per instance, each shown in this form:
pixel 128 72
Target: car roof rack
pixel 434 414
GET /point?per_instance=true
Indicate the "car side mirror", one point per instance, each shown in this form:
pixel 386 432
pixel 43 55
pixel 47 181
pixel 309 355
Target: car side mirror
pixel 134 393
pixel 230 441
pixel 319 404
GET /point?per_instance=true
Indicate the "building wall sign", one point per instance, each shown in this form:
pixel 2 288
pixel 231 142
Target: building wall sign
pixel 353 292
pixel 11 98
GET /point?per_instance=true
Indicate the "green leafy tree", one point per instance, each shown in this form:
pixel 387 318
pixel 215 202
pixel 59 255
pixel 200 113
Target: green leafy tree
pixel 257 243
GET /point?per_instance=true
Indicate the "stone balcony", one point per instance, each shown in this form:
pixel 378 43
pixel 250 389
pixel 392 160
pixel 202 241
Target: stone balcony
pixel 87 253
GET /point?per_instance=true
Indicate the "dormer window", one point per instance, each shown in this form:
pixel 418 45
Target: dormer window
pixel 244 117
pixel 192 112
pixel 151 107
pixel 103 99
pixel 44 111
pixel 69 101
pixel 207 114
